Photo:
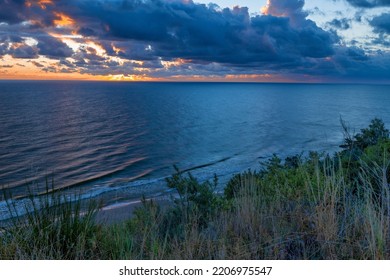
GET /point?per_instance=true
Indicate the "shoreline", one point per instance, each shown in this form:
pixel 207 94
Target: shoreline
pixel 120 212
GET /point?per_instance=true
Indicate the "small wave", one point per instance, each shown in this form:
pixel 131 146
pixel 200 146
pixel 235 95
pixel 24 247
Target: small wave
pixel 104 175
pixel 205 165
pixel 88 180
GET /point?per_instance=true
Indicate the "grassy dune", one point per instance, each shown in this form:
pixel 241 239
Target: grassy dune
pixel 315 207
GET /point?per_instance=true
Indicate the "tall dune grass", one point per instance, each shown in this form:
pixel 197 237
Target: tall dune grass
pixel 54 227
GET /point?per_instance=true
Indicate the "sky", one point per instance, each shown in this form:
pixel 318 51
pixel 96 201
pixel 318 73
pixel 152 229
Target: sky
pixel 185 40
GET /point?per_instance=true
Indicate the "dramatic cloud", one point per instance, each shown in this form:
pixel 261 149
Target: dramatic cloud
pixel 171 29
pixel 381 23
pixel 369 3
pixel 289 9
pixel 53 48
pixel 12 11
pixel 169 38
pixel 23 50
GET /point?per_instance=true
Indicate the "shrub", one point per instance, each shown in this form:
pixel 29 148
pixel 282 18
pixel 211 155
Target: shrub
pixel 194 197
pixel 375 133
pixel 358 150
pixel 239 182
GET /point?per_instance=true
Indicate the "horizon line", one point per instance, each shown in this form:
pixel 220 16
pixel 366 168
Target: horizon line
pixel 200 81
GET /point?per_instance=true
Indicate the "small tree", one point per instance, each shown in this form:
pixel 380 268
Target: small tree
pixel 194 197
pixel 375 133
pixel 365 151
pixel 372 135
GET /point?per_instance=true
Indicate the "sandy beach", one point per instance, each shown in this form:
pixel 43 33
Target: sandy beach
pixel 122 211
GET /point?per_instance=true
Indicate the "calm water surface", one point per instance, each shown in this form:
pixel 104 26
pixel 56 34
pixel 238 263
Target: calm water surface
pixel 120 140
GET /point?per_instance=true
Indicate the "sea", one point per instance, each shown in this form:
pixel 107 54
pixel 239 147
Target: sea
pixel 119 141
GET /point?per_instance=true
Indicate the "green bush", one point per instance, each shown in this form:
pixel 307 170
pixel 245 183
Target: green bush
pixel 365 149
pixel 370 136
pixel 240 181
pixel 194 197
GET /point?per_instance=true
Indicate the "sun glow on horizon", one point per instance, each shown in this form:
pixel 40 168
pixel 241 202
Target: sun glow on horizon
pixel 46 69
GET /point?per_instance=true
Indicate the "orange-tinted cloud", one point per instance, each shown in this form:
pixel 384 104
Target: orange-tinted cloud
pixel 265 10
pixel 292 9
pixel 63 20
pixel 41 3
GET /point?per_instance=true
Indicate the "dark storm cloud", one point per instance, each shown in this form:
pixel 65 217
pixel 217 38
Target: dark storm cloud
pixel 11 38
pixel 18 11
pixel 23 51
pixel 381 23
pixel 356 65
pixel 6 40
pixel 273 39
pixel 369 3
pixel 88 57
pixel 86 32
pixel 12 11
pixel 150 29
pixel 171 24
pixel 53 48
pixel 65 63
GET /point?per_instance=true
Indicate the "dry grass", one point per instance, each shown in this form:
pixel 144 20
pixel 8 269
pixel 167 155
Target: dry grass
pixel 312 211
pixel 329 220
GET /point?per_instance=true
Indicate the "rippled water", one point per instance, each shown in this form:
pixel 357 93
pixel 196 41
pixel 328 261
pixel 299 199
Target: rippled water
pixel 124 138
